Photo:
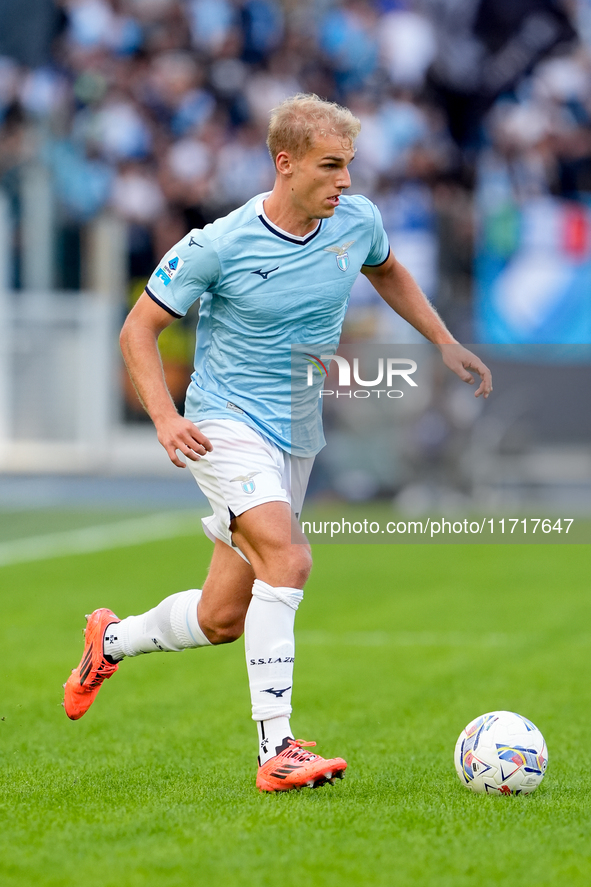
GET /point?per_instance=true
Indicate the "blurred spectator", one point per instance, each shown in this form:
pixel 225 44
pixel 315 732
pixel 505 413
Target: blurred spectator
pixel 82 183
pixel 263 29
pixel 211 23
pixel 349 35
pixel 243 168
pixel 136 194
pixel 268 87
pixel 95 23
pixel 175 92
pixel 408 46
pixel 117 128
pixel 28 30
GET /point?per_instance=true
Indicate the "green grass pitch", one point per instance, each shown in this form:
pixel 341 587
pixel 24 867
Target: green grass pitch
pixel 398 649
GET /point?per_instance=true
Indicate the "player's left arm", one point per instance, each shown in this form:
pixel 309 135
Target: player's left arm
pixel 400 291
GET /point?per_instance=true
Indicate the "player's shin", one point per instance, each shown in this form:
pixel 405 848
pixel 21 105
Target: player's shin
pixel 270 649
pixel 172 626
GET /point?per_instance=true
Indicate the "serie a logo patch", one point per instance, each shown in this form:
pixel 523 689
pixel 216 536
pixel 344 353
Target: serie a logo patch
pixel 171 266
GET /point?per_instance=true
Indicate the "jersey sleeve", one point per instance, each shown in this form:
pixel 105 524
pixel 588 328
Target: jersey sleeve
pixel 187 270
pixel 380 245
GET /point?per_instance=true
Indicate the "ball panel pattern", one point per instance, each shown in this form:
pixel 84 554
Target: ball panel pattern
pixel 501 752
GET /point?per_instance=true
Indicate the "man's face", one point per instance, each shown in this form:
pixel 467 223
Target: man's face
pixel 319 177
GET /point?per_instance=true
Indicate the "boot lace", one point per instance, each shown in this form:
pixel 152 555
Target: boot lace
pixel 295 752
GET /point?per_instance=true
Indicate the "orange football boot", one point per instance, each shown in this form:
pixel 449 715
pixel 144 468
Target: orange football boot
pixel 294 768
pixel 85 681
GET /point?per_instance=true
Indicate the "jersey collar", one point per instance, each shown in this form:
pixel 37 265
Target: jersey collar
pixel 279 232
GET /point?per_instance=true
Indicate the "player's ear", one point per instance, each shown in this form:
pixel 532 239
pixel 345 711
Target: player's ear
pixel 283 163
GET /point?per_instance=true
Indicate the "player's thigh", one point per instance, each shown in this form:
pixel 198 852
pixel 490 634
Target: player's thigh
pixel 272 540
pixel 243 470
pixel 226 592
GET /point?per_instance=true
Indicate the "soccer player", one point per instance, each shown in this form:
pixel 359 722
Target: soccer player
pixel 276 272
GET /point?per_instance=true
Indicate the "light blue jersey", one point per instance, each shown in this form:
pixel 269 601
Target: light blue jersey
pixel 262 291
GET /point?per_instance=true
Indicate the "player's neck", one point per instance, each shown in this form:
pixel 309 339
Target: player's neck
pixel 289 218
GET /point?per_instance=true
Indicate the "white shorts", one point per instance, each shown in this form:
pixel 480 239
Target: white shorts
pixel 243 470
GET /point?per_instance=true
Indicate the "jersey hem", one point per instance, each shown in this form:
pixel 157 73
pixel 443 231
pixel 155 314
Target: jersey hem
pixel 162 304
pixel 246 419
pixel 383 262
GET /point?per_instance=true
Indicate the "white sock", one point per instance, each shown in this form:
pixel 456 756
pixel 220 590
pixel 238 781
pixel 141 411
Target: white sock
pixel 273 736
pixel 170 627
pixel 270 650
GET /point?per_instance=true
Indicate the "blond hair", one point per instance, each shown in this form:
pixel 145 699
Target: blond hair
pixel 297 121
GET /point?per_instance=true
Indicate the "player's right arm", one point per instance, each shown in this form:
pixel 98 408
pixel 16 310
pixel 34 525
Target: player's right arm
pixel 139 345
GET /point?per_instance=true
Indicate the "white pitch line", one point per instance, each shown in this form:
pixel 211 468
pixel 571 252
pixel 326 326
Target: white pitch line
pixel 135 531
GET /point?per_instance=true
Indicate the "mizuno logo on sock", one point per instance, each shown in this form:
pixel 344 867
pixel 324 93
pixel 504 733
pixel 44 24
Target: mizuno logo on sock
pixel 277 693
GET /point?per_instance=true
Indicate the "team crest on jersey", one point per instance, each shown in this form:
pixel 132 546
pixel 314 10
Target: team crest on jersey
pixel 170 267
pixel 341 254
pixel 246 481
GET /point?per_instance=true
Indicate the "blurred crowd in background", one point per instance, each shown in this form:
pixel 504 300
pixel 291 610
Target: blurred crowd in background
pixel 157 111
pixel 475 143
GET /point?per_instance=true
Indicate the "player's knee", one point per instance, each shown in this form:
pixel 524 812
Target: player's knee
pixel 224 634
pixel 227 634
pixel 222 628
pixel 299 565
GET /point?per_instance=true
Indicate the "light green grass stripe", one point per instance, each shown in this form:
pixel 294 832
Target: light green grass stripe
pixel 136 531
pixel 321 638
pixel 409 638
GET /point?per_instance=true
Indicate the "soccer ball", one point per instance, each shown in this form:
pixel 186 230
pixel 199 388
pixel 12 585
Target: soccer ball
pixel 501 753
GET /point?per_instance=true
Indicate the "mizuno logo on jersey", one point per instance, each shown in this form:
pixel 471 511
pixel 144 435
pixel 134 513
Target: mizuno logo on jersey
pixel 193 242
pixel 265 274
pixel 341 254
